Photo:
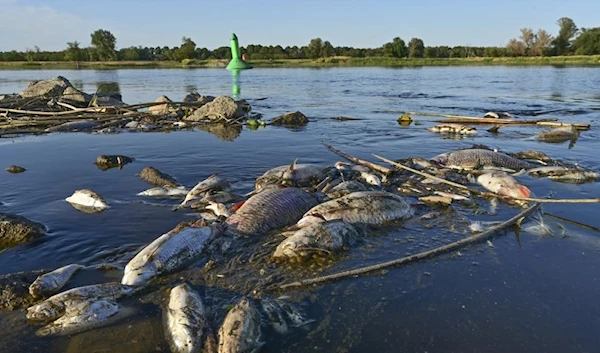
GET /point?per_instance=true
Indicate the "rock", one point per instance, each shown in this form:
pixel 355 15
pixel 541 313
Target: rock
pixel 221 107
pixel 106 101
pixel 53 87
pixel 291 118
pixel 16 230
pixel 15 169
pixel 157 178
pixel 14 289
pixel 162 109
pixel 195 97
pixel 105 162
pixel 75 97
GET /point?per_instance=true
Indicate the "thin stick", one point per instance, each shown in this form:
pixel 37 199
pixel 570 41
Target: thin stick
pixel 367 164
pixel 416 257
pixel 579 224
pixel 578 126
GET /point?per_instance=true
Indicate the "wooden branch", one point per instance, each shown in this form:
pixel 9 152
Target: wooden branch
pixel 485 193
pixel 367 164
pixel 416 257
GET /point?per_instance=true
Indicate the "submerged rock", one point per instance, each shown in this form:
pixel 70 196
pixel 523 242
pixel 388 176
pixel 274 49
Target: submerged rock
pixel 222 107
pixel 295 118
pixel 14 169
pixel 105 162
pixel 157 178
pixel 51 87
pixel 16 230
pixel 14 289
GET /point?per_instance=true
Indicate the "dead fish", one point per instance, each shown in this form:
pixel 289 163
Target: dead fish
pixel 533 155
pixel 274 315
pixel 216 196
pixel 343 166
pixel 56 305
pixel 186 326
pixel 559 134
pixel 87 198
pixel 453 129
pixel 370 207
pixel 370 178
pixel 83 125
pixel 81 317
pixel 241 331
pixel 477 158
pixel 270 209
pixel 167 253
pixel 494 115
pixel 50 283
pixel 345 188
pixel 451 195
pixel 302 174
pixel 165 191
pixel 361 168
pixel 218 209
pixel 212 183
pixel 324 237
pixel 574 176
pixel 546 170
pixel 503 184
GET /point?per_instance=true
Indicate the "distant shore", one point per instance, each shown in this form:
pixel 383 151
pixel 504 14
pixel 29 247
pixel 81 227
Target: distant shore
pixel 576 60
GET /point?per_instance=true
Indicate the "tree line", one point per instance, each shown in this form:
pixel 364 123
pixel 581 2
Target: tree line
pixel 570 40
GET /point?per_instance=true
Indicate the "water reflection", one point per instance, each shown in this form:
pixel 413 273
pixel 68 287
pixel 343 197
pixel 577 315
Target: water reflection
pixel 236 89
pixel 108 89
pixel 222 131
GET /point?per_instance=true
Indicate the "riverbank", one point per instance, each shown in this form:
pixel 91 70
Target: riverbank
pixel 576 60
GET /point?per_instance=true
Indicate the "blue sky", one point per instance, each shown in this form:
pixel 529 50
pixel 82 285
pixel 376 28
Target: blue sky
pixel 50 24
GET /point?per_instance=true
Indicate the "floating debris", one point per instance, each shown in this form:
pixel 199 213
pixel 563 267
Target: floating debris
pixel 15 169
pixel 88 200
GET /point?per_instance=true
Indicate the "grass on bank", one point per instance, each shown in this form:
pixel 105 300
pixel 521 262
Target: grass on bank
pixel 575 60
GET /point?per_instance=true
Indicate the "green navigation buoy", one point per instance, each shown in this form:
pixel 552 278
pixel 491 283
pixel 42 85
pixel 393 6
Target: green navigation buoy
pixel 236 63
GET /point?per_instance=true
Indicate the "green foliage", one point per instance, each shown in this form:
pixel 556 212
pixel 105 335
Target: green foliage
pixel 568 30
pixel 315 47
pixel 73 52
pixel 588 42
pixel 396 48
pixel 416 48
pixel 187 50
pixel 104 44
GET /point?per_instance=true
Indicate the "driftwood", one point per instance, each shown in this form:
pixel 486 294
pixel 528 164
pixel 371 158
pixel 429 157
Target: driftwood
pixel 485 193
pixel 461 119
pixel 479 237
pixel 367 164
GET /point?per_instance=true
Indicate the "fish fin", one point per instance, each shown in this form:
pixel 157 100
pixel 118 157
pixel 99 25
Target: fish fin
pixel 525 190
pixel 293 165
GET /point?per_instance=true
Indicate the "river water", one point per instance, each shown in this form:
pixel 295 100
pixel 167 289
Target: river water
pixel 526 293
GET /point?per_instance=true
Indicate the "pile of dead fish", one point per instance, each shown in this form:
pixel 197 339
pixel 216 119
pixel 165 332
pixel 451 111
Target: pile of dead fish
pixel 318 210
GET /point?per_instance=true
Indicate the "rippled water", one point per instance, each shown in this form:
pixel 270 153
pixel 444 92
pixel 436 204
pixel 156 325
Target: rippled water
pixel 524 294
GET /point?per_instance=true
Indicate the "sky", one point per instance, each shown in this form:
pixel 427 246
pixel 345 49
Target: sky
pixel 51 24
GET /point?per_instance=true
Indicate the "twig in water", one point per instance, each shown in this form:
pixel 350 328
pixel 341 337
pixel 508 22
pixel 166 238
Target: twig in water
pixel 416 257
pixel 367 164
pixel 579 224
pixel 484 193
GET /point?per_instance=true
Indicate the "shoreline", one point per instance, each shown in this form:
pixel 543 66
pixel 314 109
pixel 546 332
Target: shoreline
pixel 574 61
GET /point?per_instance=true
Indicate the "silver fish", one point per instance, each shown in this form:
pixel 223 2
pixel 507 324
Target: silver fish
pixel 503 184
pixel 270 209
pixel 302 174
pixel 169 252
pixel 212 183
pixel 186 326
pixel 453 129
pixel 50 283
pixel 477 158
pixel 546 170
pixel 327 237
pixel 560 134
pixel 81 317
pixel 56 305
pixel 241 332
pixel 219 209
pixel 87 198
pixel 370 207
pixel 345 188
pixel 274 315
pixel 165 191
pixel 370 178
pixel 574 176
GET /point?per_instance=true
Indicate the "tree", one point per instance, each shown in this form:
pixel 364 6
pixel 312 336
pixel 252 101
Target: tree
pixel 186 50
pixel 588 42
pixel 416 48
pixel 515 47
pixel 104 45
pixel 327 50
pixel 541 45
pixel 430 52
pixel 528 39
pixel 73 52
pixel 314 48
pixel 568 29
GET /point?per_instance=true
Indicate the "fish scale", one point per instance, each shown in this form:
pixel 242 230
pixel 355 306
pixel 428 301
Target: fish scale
pixel 270 209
